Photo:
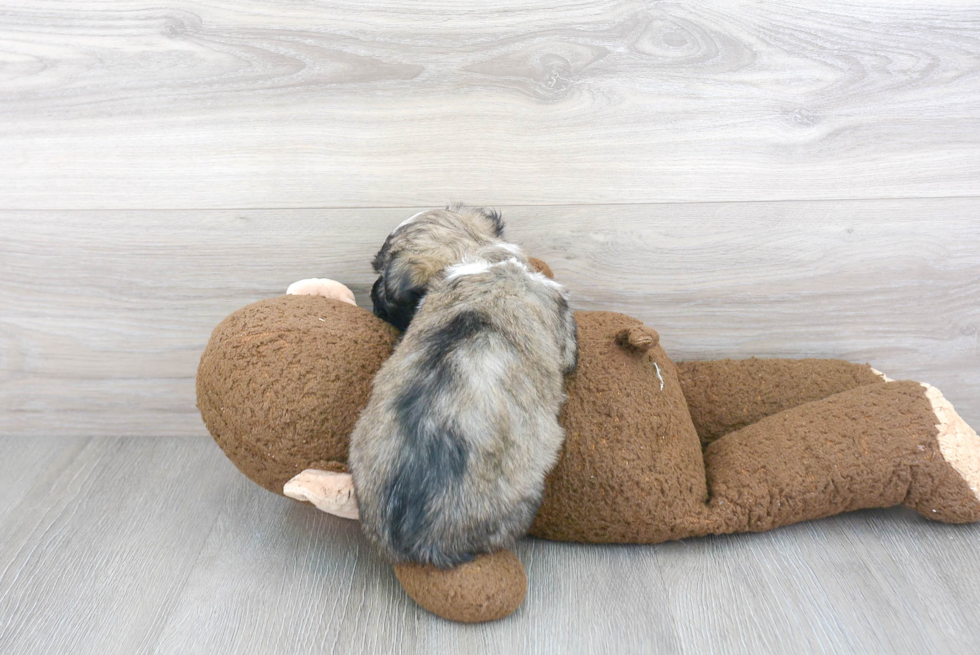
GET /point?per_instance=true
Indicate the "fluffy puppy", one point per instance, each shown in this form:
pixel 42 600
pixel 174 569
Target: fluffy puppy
pixel 450 455
pixel 422 246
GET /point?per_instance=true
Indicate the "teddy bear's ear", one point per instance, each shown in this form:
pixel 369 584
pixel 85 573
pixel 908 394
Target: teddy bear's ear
pixel 541 267
pixel 640 337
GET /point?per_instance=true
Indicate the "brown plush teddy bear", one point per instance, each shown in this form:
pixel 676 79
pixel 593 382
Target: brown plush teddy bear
pixel 654 451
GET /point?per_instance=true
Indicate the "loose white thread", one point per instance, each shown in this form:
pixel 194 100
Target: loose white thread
pixel 659 377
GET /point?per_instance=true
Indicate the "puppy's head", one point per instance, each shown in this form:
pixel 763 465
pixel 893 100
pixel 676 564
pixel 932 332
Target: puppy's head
pixel 419 249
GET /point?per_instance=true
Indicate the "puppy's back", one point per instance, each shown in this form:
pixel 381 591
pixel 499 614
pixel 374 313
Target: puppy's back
pixel 450 455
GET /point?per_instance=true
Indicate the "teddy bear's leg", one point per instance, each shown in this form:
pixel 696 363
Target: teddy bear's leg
pixel 874 446
pixel 726 395
pixel 486 589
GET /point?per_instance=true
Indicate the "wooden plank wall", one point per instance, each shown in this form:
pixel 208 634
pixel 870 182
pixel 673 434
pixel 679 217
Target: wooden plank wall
pixel 338 103
pixel 106 313
pixel 770 179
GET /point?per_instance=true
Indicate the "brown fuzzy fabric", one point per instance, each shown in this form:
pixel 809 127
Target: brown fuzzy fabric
pixel 873 446
pixel 280 388
pixel 728 394
pixel 282 382
pixel 640 338
pixel 631 466
pixel 486 589
pixel 541 267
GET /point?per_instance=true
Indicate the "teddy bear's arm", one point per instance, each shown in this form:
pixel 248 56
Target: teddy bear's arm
pixel 322 287
pixel 328 491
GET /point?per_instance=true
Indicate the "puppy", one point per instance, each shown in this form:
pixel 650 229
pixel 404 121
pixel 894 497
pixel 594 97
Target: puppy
pixel 422 246
pixel 450 455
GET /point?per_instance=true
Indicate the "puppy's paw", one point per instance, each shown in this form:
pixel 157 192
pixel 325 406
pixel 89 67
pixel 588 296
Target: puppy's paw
pixel 328 491
pixel 322 287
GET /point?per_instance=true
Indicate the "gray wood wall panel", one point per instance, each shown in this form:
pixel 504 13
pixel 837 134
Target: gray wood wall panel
pixel 260 103
pixel 133 545
pixel 105 314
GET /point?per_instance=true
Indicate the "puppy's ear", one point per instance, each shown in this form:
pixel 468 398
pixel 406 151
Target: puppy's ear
pixel 401 292
pixel 378 263
pixel 378 299
pixel 496 221
pixel 491 216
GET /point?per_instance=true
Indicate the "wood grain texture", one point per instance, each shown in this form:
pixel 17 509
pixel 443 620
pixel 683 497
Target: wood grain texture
pixel 164 163
pixel 103 326
pixel 258 103
pixel 92 556
pixel 136 545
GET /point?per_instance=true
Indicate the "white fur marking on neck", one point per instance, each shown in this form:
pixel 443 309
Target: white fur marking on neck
pixel 482 266
pixel 512 260
pixel 544 279
pixel 512 248
pixel 467 268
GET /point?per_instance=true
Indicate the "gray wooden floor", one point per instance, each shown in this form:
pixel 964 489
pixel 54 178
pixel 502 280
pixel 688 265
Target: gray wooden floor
pixel 140 545
pixel 757 178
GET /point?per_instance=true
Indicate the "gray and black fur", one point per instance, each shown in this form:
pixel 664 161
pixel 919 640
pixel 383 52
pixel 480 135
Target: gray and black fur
pixel 420 248
pixel 450 455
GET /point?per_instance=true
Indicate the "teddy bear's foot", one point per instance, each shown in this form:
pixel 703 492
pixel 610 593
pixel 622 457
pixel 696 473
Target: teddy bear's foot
pixel 948 489
pixel 322 287
pixel 486 589
pixel 328 491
